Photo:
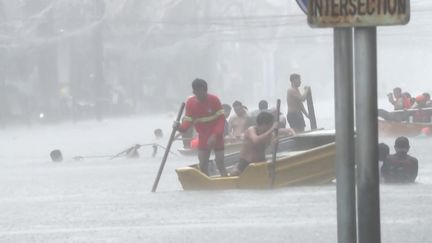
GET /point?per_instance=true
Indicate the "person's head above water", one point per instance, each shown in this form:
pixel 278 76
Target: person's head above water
pixel 56 155
pixel 199 88
pixel 263 105
pixel 383 151
pixel 158 133
pixel 402 145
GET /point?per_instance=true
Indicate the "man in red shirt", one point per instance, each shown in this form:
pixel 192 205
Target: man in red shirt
pixel 205 112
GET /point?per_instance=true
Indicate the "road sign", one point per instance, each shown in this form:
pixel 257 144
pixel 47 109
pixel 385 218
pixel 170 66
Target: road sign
pixel 357 13
pixel 303 4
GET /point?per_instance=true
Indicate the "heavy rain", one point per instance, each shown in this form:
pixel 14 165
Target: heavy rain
pixel 90 91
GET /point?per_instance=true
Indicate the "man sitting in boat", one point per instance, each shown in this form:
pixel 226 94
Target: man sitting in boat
pixel 257 139
pixel 396 99
pixel 262 106
pixel 240 121
pixel 421 115
pixel 400 101
pixel 205 112
pixel 400 167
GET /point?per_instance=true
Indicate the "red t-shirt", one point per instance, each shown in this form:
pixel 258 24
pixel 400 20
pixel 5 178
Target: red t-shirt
pixel 207 116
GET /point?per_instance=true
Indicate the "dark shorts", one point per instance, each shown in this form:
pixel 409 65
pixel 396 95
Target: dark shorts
pixel 296 120
pixel 241 166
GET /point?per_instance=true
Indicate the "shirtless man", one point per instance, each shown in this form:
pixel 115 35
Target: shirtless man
pixel 396 99
pixel 240 121
pixel 295 104
pixel 400 167
pixel 257 139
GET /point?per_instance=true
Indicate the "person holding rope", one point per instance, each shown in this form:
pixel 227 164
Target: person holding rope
pixel 205 112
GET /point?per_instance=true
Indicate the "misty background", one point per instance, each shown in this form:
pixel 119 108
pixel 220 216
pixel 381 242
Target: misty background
pixel 90 59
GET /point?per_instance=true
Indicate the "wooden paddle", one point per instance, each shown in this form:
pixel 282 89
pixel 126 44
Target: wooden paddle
pixel 275 148
pixel 168 148
pixel 311 110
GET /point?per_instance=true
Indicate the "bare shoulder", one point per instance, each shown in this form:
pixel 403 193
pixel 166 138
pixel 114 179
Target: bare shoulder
pixel 249 131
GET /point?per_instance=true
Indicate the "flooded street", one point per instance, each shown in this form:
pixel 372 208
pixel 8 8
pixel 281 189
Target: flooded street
pixel 121 68
pixel 102 200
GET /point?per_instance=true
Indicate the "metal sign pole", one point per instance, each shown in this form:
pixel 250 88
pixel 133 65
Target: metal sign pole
pixel 367 135
pixel 345 161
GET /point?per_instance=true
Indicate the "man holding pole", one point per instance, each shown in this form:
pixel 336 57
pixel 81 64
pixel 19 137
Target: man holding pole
pixel 295 101
pixel 205 112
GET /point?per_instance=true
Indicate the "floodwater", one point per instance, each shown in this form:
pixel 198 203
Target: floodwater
pixel 101 200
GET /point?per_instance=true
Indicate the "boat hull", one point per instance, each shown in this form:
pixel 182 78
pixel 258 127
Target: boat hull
pixel 396 129
pixel 315 166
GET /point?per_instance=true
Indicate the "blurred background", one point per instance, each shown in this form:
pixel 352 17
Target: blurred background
pixel 64 60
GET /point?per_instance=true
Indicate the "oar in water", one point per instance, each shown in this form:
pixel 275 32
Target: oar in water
pixel 275 148
pixel 168 148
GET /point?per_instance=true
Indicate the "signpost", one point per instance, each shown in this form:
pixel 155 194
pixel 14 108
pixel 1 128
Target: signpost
pixel 364 15
pixel 357 13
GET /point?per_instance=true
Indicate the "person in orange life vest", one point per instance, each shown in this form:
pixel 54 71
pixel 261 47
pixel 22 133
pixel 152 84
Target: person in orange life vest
pixel 400 167
pixel 421 115
pixel 205 112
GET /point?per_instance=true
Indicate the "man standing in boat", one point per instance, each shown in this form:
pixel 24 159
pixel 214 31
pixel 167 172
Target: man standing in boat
pixel 205 112
pixel 295 101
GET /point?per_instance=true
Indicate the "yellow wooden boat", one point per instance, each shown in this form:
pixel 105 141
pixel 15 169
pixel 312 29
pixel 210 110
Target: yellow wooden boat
pixel 307 159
